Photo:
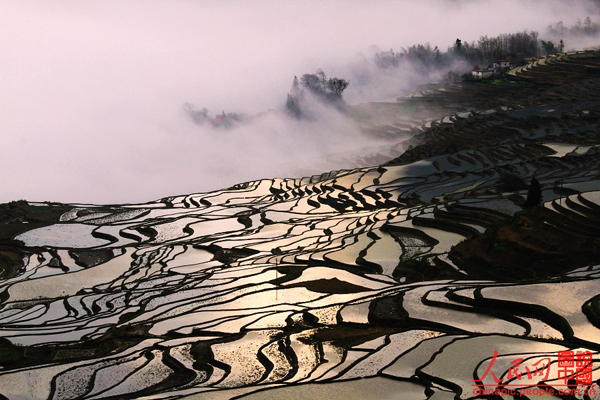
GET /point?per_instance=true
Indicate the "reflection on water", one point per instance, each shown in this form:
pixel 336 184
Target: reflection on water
pixel 277 283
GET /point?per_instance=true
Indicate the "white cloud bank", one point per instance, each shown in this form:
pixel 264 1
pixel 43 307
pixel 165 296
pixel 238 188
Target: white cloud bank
pixel 90 92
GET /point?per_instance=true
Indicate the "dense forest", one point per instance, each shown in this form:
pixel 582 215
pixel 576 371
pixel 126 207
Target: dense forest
pixel 514 47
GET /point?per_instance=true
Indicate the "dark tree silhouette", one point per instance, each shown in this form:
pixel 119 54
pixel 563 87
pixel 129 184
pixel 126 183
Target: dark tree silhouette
pixel 458 44
pixel 292 106
pixel 328 90
pixel 549 47
pixel 534 195
pixel 337 86
pixel 198 116
pixel 312 82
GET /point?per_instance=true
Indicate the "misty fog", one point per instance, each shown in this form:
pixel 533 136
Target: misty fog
pixel 91 93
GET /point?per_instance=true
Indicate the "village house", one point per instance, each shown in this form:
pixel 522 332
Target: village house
pixel 495 69
pixel 501 64
pixel 482 73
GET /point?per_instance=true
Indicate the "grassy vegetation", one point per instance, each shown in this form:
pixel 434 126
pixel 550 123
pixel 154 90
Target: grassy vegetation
pixel 113 341
pixel 419 270
pixel 525 248
pixel 507 80
pixel 26 212
pixel 11 259
pixel 17 217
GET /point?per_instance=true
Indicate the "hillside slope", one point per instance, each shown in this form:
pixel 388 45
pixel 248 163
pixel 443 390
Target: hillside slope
pixel 392 272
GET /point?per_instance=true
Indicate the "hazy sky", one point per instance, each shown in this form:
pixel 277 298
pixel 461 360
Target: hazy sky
pixel 91 91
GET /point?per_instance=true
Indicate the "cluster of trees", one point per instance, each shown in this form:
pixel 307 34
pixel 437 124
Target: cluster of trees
pixel 551 48
pixel 585 28
pixel 324 89
pixel 318 83
pixel 198 116
pixel 516 46
pixel 577 33
pixel 512 46
pixel 327 89
pixel 423 54
pixel 223 120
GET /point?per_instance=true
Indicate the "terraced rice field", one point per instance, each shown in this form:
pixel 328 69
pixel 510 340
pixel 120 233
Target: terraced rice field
pixel 298 287
pixel 561 67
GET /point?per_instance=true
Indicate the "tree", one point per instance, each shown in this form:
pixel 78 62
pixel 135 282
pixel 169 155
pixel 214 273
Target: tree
pixel 292 106
pixel 533 43
pixel 319 84
pixel 549 47
pixel 311 81
pixel 534 195
pixel 337 86
pixel 558 29
pixel 587 26
pixel 437 55
pixel 458 45
pixel 324 89
pixel 386 59
pixel 199 117
pixel 322 78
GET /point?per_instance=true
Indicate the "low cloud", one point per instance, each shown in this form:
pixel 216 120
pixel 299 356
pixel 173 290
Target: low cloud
pixel 90 107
